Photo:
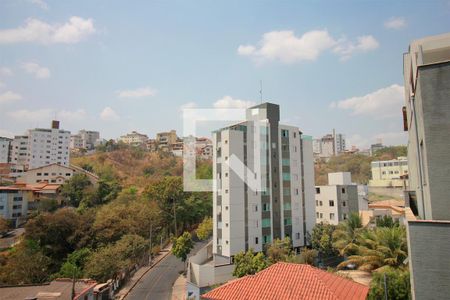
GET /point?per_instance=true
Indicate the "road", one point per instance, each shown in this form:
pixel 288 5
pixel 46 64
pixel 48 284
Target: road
pixel 157 283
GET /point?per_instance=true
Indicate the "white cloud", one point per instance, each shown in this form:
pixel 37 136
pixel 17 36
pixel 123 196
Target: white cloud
pixel 35 69
pixel 6 133
pixel 25 115
pixel 41 3
pixel 137 93
pixel 228 102
pixel 46 114
pixel 73 31
pixel 108 114
pixel 363 44
pixel 383 103
pixel 395 23
pixel 4 71
pixel 286 47
pixel 72 116
pixel 9 96
pixel 188 105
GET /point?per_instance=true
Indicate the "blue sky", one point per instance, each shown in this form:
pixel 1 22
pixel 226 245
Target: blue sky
pixel 117 66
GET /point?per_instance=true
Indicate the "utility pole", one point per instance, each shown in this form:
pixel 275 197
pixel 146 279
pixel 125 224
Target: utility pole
pixel 385 288
pixel 175 218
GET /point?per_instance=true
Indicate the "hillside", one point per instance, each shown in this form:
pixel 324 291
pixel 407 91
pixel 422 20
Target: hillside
pixel 357 164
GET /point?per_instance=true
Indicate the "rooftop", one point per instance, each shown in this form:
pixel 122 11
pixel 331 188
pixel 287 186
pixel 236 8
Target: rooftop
pixel 290 281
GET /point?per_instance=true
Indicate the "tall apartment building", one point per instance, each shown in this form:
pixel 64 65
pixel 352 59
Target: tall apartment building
pixel 427 120
pixel 244 218
pixel 48 146
pixel 19 150
pixel 335 201
pixel 85 139
pixel 5 145
pixel 134 138
pixel 329 145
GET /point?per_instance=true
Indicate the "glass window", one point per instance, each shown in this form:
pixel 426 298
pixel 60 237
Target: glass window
pixel 266 206
pixel 331 202
pixel 331 216
pixel 287 221
pixel 265 223
pixel 287 206
pixel 285 162
pixel 267 239
pixel 286 191
pixel 286 176
pixel 317 190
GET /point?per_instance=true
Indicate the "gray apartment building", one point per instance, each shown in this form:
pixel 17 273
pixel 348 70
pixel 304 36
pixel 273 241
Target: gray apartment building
pixel 427 120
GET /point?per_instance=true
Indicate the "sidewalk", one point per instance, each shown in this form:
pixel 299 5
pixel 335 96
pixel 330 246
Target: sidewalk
pixel 123 292
pixel 179 288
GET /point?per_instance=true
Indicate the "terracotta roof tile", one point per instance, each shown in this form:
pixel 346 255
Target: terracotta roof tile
pixel 290 281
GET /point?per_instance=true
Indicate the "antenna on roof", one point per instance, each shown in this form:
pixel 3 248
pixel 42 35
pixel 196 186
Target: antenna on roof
pixel 260 91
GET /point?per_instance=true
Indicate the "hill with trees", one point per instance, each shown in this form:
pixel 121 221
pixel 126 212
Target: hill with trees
pixel 357 164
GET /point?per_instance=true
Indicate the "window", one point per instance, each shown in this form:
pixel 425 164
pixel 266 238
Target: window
pixel 317 215
pixel 17 206
pixel 45 174
pixel 226 141
pixel 39 174
pixel 321 215
pixel 344 203
pixel 226 224
pixel 67 174
pixel 256 207
pixel 317 202
pixel 286 176
pixel 226 191
pixel 344 216
pixel 295 135
pixel 226 207
pixel 285 133
pixel 265 223
pixel 317 190
pixel 296 191
pixel 266 206
pixel 331 202
pixel 286 191
pixel 331 216
pixel 343 190
pixel 287 206
pixel 267 239
pixel 320 203
pixel 287 221
pixel 226 174
pixel 256 240
pixel 226 157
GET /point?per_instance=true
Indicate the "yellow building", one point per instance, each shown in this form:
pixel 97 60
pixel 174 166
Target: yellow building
pixel 389 173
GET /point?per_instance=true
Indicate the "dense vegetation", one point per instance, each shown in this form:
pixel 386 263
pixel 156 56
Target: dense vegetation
pixel 357 164
pixel 103 229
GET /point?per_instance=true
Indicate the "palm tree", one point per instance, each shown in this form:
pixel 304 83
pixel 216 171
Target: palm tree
pixel 380 247
pixel 346 233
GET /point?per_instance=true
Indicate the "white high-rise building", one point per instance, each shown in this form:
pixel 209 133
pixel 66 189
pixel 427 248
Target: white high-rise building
pixel 48 146
pixel 245 218
pixel 5 144
pixel 329 145
pixel 19 150
pixel 85 139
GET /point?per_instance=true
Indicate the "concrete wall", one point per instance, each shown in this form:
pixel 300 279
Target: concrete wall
pixel 429 250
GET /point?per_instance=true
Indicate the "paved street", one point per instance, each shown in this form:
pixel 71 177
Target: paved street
pixel 157 283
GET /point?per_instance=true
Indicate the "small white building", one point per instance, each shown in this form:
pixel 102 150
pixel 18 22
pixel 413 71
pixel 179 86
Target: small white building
pixel 335 201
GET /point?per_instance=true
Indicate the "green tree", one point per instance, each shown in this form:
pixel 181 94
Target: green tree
pixel 182 246
pixel 108 261
pixel 308 256
pixel 382 246
pixel 397 282
pixel 74 264
pixel 26 264
pixel 205 229
pixel 248 263
pixel 386 221
pixel 73 189
pixel 322 239
pixel 3 226
pixel 280 250
pixel 346 233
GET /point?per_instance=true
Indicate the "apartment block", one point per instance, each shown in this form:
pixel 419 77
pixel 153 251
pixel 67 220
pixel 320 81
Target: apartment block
pixel 134 138
pixel 335 201
pixel 13 203
pixel 389 173
pixel 85 139
pixel 48 146
pixel 5 145
pixel 246 218
pixel 329 145
pixel 426 68
pixel 19 150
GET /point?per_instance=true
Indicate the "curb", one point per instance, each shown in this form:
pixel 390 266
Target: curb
pixel 139 279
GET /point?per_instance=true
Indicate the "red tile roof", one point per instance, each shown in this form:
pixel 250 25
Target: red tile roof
pixel 290 281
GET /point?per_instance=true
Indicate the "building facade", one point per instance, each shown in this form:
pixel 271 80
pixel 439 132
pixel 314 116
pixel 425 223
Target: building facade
pixel 329 145
pixel 427 120
pixel 85 139
pixel 245 218
pixel 13 203
pixel 48 146
pixel 134 138
pixel 389 173
pixel 19 150
pixel 335 201
pixel 5 145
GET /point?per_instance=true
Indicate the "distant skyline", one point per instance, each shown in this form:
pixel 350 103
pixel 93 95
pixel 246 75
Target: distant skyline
pixel 118 66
